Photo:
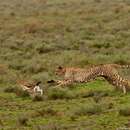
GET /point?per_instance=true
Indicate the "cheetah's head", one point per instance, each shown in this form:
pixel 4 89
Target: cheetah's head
pixel 60 71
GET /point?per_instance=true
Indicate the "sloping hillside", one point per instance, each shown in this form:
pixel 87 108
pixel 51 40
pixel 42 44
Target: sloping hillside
pixel 38 35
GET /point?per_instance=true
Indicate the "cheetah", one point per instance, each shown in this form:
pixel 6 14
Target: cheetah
pixel 80 75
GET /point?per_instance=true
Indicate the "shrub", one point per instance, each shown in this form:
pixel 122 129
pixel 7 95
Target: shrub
pixel 89 110
pixel 50 126
pixel 60 93
pixel 97 98
pixel 98 95
pixel 97 1
pixel 93 93
pixel 97 45
pixel 86 94
pixel 44 48
pixel 9 90
pixel 33 67
pixel 16 65
pixel 37 98
pixel 45 111
pixel 22 120
pixel 125 111
pixel 3 69
pixel 32 26
pixel 1 122
pixel 19 92
pixel 121 61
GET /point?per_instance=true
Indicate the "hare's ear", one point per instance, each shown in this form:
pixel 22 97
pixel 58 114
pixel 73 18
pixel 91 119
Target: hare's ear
pixel 60 67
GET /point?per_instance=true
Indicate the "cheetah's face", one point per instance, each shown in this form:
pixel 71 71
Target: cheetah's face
pixel 60 71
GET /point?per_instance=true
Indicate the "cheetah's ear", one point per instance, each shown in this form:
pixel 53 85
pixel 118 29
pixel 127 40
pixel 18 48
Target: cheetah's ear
pixel 60 67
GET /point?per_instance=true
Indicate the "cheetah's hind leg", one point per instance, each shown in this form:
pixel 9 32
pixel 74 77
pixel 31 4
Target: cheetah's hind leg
pixel 124 89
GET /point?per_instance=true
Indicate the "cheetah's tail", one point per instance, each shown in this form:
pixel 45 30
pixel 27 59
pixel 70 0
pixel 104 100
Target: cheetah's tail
pixel 121 66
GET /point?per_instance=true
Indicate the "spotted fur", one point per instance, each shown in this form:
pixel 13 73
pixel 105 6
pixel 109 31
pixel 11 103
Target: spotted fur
pixel 108 71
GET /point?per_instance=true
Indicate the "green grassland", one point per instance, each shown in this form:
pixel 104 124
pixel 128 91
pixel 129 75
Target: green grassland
pixel 38 35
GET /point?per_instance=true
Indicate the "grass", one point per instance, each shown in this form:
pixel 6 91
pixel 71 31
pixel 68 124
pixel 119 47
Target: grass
pixel 36 37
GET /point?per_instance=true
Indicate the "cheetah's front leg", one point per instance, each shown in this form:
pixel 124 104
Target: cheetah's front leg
pixel 64 82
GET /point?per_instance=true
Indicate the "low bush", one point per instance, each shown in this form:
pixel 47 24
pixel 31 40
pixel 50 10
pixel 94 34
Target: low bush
pixel 37 98
pixel 60 93
pixel 97 98
pixel 22 120
pixel 88 110
pixel 19 92
pixel 50 126
pixel 125 111
pixel 9 90
pixel 45 111
pixel 32 26
pixel 93 93
pixel 86 94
